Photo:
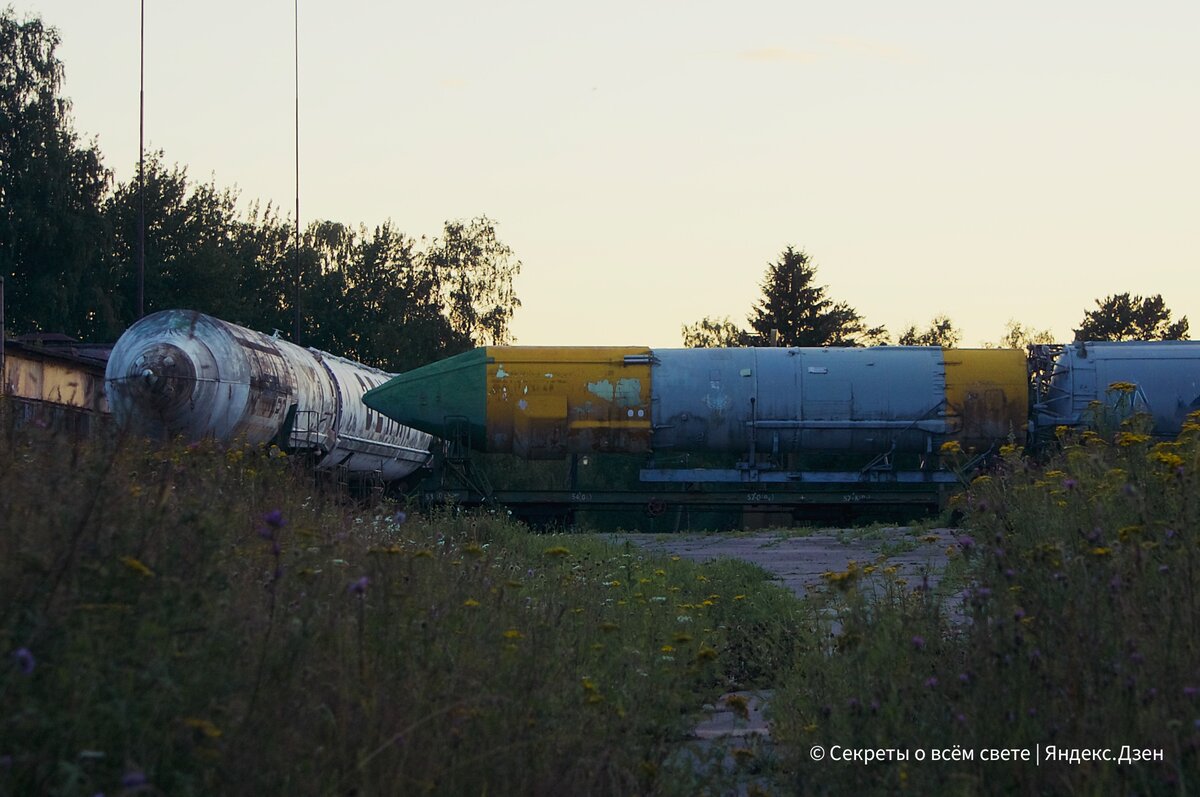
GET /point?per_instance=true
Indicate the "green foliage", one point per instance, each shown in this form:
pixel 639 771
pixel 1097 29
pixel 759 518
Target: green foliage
pixel 206 619
pixel 1018 336
pixel 709 333
pixel 941 332
pixel 800 310
pixel 1125 317
pixel 1076 629
pixel 67 245
pixel 51 185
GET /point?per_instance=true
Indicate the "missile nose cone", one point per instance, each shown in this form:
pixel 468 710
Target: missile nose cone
pixel 438 398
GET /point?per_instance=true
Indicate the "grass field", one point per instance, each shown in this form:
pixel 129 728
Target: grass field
pixel 204 620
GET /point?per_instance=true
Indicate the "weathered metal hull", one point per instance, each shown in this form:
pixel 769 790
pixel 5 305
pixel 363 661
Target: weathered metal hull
pixel 549 402
pixel 183 373
pixel 1160 379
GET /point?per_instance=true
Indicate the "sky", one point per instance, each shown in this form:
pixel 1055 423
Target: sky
pixel 647 160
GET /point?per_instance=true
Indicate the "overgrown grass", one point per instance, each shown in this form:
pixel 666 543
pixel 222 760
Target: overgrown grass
pixel 204 621
pixel 1080 628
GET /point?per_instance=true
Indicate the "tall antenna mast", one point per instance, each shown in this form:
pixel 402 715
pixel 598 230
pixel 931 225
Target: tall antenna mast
pixel 296 18
pixel 141 234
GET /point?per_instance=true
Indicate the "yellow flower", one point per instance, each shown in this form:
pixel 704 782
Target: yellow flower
pixel 204 726
pixel 137 567
pixel 1008 448
pixel 1131 438
pixel 706 653
pixel 609 627
pixel 1123 387
pixel 660 572
pixel 473 549
pixel 513 633
pixel 588 684
pixel 423 554
pixel 471 603
pixel 1100 551
pixel 1125 532
pixel 951 447
pixel 739 597
pixel 667 649
pixel 681 638
pixel 557 550
pixel 1168 458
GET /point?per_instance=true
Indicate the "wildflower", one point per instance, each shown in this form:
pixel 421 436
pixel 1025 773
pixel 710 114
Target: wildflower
pixel 951 447
pixel 136 566
pixel 134 779
pixel 931 681
pixel 706 653
pixel 1101 551
pixel 743 755
pixel 609 627
pixel 739 705
pixel 964 678
pixel 274 519
pixel 204 726
pixel 667 649
pixel 513 633
pixel 682 637
pixel 1123 387
pixel 588 684
pixel 1126 439
pixel 1007 448
pixel 471 603
pixel 24 660
pixel 739 597
pixel 1190 691
pixel 1070 484
pixel 557 550
pixel 918 642
pixel 359 587
pixel 966 543
pixel 613 583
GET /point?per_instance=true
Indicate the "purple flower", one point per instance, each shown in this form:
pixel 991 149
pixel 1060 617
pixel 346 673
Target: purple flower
pixel 1190 691
pixel 1171 534
pixel 966 543
pixel 274 519
pixel 962 718
pixel 359 587
pixel 918 642
pixel 24 660
pixel 400 517
pixel 964 678
pixel 931 681
pixel 134 779
pixel 1164 569
pixel 1019 614
pixel 1009 573
pixel 1070 484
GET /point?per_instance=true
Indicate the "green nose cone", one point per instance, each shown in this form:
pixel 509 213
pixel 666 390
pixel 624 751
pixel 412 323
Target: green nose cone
pixel 443 398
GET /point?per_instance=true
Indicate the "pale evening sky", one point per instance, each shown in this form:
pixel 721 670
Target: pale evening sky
pixel 645 160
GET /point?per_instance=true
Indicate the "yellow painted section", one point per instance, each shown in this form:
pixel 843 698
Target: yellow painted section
pixel 987 396
pixel 545 403
pixel 36 378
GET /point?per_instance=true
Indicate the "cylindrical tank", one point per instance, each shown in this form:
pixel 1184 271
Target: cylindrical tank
pixel 543 402
pixel 1160 379
pixel 184 373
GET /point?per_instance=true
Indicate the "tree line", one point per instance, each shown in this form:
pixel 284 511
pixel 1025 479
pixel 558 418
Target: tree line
pixel 795 311
pixel 68 240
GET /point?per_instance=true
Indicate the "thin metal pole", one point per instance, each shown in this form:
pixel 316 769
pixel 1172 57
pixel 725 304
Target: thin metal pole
pixel 141 235
pixel 297 65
